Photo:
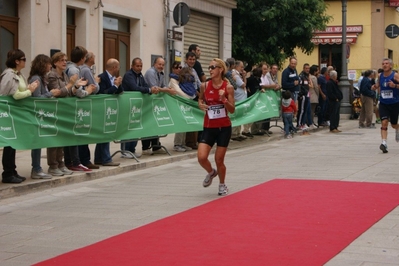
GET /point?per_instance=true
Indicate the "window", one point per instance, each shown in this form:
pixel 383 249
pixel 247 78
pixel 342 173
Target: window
pixel 117 41
pixel 8 30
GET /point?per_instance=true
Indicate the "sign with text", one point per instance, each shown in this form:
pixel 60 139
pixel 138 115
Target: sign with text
pixel 33 123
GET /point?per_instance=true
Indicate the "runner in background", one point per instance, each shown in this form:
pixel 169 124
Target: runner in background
pixel 216 99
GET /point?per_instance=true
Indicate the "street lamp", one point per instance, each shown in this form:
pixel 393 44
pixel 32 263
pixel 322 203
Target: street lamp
pixel 346 107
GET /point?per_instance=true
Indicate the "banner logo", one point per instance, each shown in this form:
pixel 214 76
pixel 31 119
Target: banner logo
pixel 46 117
pixel 187 112
pixel 111 115
pixel 136 114
pixel 83 117
pixel 261 106
pixel 161 113
pixel 7 129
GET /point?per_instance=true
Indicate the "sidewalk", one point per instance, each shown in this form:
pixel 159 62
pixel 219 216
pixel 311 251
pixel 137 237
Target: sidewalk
pixel 55 220
pixel 23 161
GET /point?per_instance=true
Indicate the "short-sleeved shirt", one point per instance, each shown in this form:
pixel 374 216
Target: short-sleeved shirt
pixel 388 95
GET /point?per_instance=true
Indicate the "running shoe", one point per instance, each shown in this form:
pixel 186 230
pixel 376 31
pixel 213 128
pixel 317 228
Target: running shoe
pixel 384 148
pixel 223 190
pixel 208 179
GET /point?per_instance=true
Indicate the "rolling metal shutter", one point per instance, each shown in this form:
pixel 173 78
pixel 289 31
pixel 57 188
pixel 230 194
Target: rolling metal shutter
pixel 203 29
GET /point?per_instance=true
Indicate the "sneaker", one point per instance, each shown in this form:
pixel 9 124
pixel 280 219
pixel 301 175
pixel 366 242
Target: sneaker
pixel 80 168
pixel 55 171
pixel 127 156
pixel 384 148
pixel 179 148
pixel 378 121
pixel 187 148
pixel 208 179
pixel 65 170
pixel 11 179
pixel 248 134
pixel 288 136
pixel 147 152
pixel 39 175
pixel 223 190
pixel 159 151
pixel 397 135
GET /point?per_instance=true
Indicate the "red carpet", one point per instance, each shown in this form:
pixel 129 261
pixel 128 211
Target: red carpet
pixel 281 222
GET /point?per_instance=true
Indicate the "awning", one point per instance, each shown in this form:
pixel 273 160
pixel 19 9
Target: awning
pixel 394 3
pixel 328 38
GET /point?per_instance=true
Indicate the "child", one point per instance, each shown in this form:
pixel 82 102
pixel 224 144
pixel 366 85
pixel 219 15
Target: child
pixel 187 82
pixel 288 109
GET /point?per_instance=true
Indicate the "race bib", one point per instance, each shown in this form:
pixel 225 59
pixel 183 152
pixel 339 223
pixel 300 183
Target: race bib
pixel 387 94
pixel 216 111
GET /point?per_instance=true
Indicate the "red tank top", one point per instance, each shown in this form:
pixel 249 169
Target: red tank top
pixel 216 115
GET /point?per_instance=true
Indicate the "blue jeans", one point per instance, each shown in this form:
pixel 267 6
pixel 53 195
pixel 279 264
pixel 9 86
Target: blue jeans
pixel 129 146
pixel 288 126
pixel 36 154
pixel 102 154
pixel 322 111
pixel 84 154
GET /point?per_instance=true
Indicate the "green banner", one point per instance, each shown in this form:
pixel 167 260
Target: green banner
pixel 38 123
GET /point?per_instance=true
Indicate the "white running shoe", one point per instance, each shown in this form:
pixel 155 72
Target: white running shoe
pixel 208 179
pixel 147 152
pixel 179 148
pixel 223 190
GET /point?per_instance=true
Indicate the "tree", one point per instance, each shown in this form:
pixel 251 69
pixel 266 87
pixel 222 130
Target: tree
pixel 270 30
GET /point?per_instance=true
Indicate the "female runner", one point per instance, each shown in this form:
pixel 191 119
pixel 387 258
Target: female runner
pixel 217 100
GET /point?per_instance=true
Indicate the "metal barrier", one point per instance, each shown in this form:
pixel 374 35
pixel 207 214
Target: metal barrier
pixel 125 152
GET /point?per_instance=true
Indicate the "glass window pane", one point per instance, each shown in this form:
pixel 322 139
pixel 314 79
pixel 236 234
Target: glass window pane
pixel 70 16
pixel 6 44
pixel 114 23
pixel 122 58
pixel 8 8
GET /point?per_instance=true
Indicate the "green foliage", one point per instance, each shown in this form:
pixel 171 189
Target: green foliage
pixel 270 30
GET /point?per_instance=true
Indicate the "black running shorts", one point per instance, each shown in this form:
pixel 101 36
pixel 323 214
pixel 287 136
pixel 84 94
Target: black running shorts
pixel 389 111
pixel 220 135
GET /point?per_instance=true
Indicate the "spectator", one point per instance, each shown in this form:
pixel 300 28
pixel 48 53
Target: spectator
pixel 322 115
pixel 41 65
pixel 290 79
pixel 253 86
pixel 71 153
pixel 304 113
pixel 197 66
pixel 240 94
pixel 58 79
pixel 154 77
pixel 109 83
pixel 180 138
pixel 86 74
pixel 13 83
pixel 314 93
pixel 367 95
pixel 190 63
pixel 334 96
pixel 133 80
pixel 288 110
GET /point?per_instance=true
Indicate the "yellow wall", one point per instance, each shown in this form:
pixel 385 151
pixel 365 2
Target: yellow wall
pixel 362 53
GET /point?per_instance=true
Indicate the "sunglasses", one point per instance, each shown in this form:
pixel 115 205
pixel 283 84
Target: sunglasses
pixel 212 67
pixel 22 59
pixel 179 67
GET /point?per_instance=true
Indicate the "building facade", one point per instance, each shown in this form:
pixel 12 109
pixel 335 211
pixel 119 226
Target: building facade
pixel 367 41
pixel 122 29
